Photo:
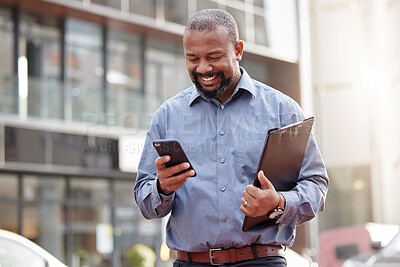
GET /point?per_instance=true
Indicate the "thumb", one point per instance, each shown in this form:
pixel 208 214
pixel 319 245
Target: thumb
pixel 265 183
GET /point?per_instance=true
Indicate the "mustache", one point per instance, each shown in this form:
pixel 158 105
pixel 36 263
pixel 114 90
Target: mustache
pixel 196 74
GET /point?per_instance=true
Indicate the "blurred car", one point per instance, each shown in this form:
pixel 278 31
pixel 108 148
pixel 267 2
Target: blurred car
pixel 388 256
pixel 339 244
pixel 18 251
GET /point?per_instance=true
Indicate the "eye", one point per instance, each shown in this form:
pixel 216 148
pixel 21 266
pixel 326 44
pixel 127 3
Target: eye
pixel 215 57
pixel 192 59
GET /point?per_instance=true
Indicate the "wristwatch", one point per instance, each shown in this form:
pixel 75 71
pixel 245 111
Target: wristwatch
pixel 278 211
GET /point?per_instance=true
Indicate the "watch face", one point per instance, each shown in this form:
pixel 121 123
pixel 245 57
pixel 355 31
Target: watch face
pixel 275 214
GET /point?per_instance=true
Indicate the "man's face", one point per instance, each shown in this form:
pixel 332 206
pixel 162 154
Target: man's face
pixel 212 61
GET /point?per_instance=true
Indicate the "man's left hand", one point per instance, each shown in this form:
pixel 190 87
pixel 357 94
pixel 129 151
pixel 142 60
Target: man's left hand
pixel 259 201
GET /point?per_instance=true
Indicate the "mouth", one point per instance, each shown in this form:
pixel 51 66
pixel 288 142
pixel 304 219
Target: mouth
pixel 207 80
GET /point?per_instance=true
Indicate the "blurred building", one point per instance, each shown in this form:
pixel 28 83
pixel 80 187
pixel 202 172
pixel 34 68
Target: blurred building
pixel 79 82
pixel 356 87
pixel 356 92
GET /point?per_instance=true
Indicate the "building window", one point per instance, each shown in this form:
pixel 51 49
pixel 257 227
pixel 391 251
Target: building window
pixel 261 30
pixel 91 210
pixel 8 202
pixel 166 71
pixel 24 145
pixel 111 3
pixel 40 48
pixel 257 69
pixel 83 151
pixel 240 17
pixel 61 149
pixel 125 100
pixel 146 8
pixel 176 11
pixel 43 214
pixel 8 97
pixel 127 216
pixel 203 4
pixel 84 72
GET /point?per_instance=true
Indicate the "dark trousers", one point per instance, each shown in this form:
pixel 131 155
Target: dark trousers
pixel 268 261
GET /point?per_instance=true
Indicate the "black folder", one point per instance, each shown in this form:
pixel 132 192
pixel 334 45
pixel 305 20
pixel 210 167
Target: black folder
pixel 281 161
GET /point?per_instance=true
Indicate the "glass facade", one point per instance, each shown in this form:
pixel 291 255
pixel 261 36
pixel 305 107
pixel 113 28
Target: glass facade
pixel 125 78
pixel 165 69
pixel 176 11
pixel 90 208
pixel 8 98
pixel 78 71
pixel 84 71
pixel 20 143
pixel 8 202
pixel 42 212
pixel 249 14
pixel 145 8
pixel 56 210
pixel 39 46
pixel 61 149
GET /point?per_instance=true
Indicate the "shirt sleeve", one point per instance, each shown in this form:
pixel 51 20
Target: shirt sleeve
pixel 151 203
pixel 307 199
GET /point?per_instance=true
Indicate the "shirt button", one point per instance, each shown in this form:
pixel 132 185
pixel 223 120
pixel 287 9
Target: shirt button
pixel 222 106
pixel 221 132
pixel 224 218
pixel 223 188
pixel 223 160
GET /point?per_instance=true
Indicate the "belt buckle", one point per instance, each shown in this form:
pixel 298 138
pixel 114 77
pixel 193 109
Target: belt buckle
pixel 211 255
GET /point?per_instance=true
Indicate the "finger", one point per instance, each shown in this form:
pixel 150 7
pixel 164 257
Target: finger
pixel 171 171
pixel 161 160
pixel 244 210
pixel 265 183
pixel 243 201
pixel 249 194
pixel 173 183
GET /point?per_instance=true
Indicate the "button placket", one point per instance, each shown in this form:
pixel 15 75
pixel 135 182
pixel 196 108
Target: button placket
pixel 222 128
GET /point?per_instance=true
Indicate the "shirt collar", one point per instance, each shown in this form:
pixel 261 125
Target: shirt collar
pixel 245 83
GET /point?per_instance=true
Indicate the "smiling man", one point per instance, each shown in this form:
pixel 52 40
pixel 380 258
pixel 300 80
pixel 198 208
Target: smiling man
pixel 212 58
pixel 222 122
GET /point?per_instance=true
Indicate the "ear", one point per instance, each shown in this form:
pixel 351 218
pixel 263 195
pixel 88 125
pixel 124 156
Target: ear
pixel 239 50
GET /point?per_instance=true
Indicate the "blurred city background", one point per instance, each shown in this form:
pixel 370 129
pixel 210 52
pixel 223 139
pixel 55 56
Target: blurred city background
pixel 80 80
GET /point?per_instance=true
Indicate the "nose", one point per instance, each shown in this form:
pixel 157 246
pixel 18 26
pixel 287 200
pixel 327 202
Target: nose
pixel 203 67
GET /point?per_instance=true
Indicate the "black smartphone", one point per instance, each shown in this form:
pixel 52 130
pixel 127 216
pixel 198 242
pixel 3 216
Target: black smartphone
pixel 174 149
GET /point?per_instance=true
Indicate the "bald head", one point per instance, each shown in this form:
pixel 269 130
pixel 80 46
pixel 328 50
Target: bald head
pixel 209 19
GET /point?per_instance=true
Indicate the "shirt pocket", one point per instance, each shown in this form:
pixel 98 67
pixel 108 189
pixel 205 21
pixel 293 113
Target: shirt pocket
pixel 250 147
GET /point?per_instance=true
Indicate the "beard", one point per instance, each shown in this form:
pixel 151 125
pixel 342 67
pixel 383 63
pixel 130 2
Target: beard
pixel 219 91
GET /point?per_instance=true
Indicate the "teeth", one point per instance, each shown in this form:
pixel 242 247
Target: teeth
pixel 207 79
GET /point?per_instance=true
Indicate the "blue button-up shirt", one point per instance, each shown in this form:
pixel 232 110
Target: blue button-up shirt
pixel 224 144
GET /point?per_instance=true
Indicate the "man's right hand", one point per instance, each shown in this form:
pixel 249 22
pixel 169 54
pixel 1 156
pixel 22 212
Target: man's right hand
pixel 168 182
